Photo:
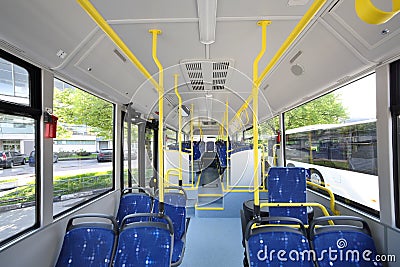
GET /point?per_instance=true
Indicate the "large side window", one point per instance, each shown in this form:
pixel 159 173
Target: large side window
pixel 130 168
pixel 19 134
pixel 84 148
pixel 395 109
pixel 335 137
pixel 270 136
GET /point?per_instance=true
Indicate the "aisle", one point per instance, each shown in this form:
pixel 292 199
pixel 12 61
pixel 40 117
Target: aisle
pixel 213 242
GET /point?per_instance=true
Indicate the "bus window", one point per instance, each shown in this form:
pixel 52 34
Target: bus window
pixel 270 138
pixel 84 147
pixel 335 137
pixel 20 109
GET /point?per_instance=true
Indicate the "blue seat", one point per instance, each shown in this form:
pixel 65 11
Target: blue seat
pixel 196 150
pixel 264 243
pixel 287 185
pixel 347 240
pixel 175 209
pixel 88 243
pixel 146 243
pixel 221 152
pixel 134 202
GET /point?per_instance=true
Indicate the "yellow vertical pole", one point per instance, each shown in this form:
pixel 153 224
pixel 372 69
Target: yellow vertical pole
pixel 155 34
pixel 305 20
pixel 179 128
pixel 191 141
pixel 228 168
pixel 256 84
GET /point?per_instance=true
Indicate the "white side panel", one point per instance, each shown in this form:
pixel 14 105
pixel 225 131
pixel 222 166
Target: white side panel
pixel 42 247
pixel 171 160
pixel 242 168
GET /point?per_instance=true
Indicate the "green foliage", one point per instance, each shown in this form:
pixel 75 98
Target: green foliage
pixel 327 109
pixel 76 107
pixel 63 185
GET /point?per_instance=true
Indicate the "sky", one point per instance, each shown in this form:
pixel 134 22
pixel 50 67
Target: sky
pixel 359 98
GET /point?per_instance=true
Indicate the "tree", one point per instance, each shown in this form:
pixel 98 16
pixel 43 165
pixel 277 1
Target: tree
pixel 327 109
pixel 76 107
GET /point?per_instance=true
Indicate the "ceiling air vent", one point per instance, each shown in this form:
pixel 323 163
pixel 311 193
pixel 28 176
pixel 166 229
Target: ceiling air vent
pixel 11 48
pixel 206 75
pixel 209 123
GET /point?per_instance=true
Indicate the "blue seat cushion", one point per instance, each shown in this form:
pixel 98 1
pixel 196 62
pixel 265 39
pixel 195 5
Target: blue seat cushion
pixel 143 246
pixel 87 247
pixel 264 249
pixel 178 250
pixel 347 249
pixel 133 203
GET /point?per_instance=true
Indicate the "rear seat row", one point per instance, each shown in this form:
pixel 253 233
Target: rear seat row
pixel 281 238
pixel 138 236
pixel 343 244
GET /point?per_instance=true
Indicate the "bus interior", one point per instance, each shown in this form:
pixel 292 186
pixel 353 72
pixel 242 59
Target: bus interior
pixel 203 111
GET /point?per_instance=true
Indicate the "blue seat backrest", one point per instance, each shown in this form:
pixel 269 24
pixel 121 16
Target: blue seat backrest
pixel 87 246
pixel 287 185
pixel 221 152
pixel 175 208
pixel 131 203
pixel 263 249
pixel 350 244
pixel 143 245
pixel 196 150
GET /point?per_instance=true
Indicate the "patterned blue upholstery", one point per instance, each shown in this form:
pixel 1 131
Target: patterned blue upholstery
pixel 132 203
pixel 196 150
pixel 287 185
pixel 143 244
pixel 277 245
pixel 87 245
pixel 346 242
pixel 277 240
pixel 353 241
pixel 175 208
pixel 221 152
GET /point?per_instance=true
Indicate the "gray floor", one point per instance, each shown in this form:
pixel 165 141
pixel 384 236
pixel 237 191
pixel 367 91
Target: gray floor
pixel 213 242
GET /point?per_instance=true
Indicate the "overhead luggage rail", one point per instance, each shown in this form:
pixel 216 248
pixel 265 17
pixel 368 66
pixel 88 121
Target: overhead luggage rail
pixel 132 202
pixel 89 243
pixel 148 243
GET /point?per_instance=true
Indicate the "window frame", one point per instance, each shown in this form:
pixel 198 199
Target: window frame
pixel 395 112
pixel 33 111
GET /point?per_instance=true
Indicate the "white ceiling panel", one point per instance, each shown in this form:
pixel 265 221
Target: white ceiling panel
pixel 324 60
pixel 41 28
pixel 149 9
pixel 374 42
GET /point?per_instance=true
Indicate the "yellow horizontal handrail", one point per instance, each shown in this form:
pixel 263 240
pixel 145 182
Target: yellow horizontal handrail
pixel 101 22
pixel 308 16
pixel 318 205
pixel 331 196
pixel 242 108
pixel 366 11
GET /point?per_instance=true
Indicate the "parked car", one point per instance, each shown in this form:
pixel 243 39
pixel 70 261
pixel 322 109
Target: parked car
pixel 105 154
pixel 5 160
pixel 10 158
pixel 32 158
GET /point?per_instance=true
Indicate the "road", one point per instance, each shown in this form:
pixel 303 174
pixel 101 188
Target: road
pixel 61 168
pixel 14 221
